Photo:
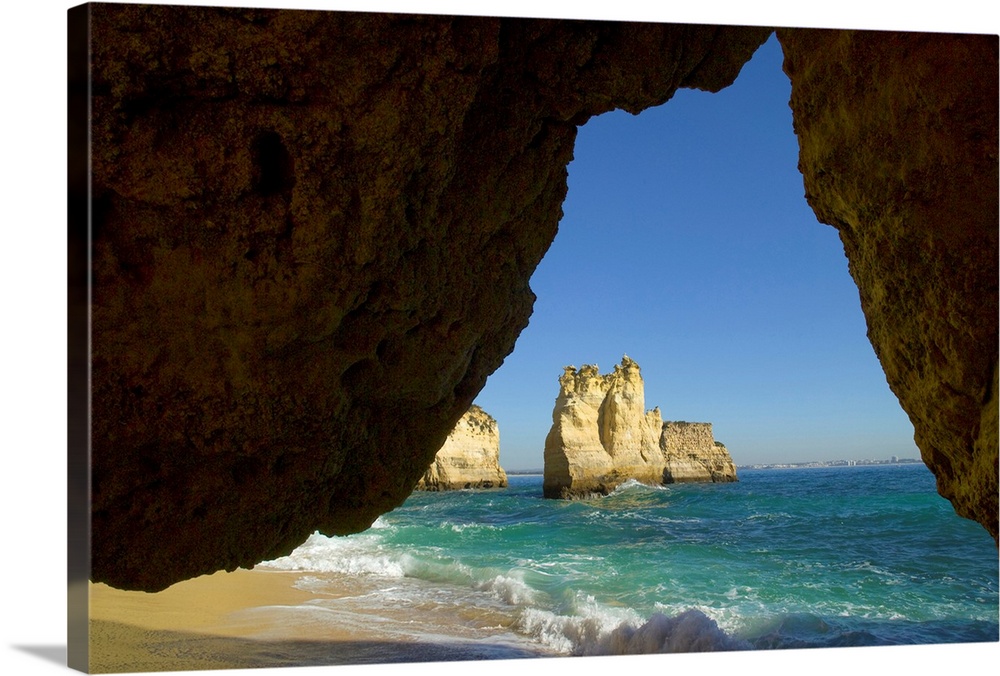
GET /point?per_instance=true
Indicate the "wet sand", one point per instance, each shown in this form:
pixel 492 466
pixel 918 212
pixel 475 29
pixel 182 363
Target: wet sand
pixel 242 620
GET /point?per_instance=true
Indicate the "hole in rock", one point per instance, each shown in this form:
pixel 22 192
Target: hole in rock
pixel 687 244
pixel 273 165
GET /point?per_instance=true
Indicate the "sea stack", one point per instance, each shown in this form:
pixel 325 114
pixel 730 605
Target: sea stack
pixel 469 457
pixel 602 436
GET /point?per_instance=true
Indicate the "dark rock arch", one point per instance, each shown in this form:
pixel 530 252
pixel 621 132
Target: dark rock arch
pixel 317 230
pixel 898 146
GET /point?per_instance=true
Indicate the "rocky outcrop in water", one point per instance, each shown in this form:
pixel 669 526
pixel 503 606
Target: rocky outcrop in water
pixel 602 436
pixel 307 225
pixel 691 453
pixel 469 458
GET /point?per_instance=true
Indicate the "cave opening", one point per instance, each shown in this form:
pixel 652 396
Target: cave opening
pixel 687 243
pixel 274 168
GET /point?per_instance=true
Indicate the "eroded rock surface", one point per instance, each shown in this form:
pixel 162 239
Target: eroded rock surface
pixel 470 456
pixel 898 145
pixel 312 239
pixel 691 453
pixel 602 436
pixel 310 225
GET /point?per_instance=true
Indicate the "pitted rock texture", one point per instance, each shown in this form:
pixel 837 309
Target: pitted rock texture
pixel 470 456
pixel 310 225
pixel 602 436
pixel 898 146
pixel 312 239
pixel 691 453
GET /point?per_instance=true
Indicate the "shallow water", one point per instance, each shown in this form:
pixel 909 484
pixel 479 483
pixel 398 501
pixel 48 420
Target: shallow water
pixel 787 558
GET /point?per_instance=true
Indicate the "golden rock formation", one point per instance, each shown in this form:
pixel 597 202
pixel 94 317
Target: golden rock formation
pixel 469 458
pixel 602 436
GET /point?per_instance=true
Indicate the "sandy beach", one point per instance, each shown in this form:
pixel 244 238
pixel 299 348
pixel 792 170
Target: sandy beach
pixel 254 618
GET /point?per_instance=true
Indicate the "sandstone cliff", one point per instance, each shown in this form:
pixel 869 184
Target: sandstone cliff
pixel 469 458
pixel 305 224
pixel 602 435
pixel 690 452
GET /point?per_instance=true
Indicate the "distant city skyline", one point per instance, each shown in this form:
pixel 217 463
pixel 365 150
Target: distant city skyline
pixel 832 462
pixel 687 243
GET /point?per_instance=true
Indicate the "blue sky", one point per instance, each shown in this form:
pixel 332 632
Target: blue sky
pixel 687 243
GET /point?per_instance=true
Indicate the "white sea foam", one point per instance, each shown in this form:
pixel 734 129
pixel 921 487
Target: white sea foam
pixel 461 527
pixel 582 626
pixel 691 631
pixel 607 633
pixel 633 485
pixel 358 555
pixel 438 570
pixel 769 516
pixel 510 589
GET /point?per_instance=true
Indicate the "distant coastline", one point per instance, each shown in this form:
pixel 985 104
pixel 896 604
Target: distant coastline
pixel 832 463
pixel 778 465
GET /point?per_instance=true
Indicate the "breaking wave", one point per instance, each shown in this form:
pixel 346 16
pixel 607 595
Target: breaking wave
pixel 682 568
pixel 605 634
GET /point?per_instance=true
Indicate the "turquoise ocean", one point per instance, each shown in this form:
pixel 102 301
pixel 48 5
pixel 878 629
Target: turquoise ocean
pixel 784 558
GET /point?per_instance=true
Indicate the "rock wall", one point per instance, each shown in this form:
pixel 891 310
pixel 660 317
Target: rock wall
pixel 898 148
pixel 601 436
pixel 469 458
pixel 307 224
pixel 690 451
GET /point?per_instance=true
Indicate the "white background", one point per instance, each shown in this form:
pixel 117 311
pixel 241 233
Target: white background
pixel 33 246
